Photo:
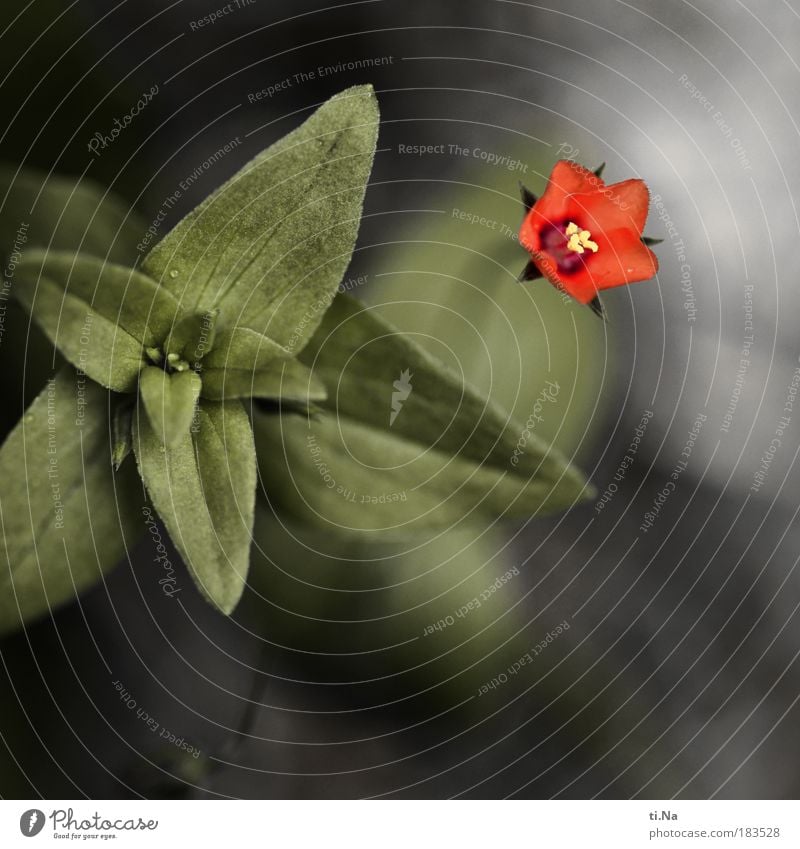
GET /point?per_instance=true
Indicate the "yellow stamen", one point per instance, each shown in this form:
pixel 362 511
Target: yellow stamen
pixel 579 239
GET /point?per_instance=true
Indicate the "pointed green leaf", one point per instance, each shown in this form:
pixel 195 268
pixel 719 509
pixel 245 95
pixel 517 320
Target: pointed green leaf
pixel 242 348
pixel 98 315
pixel 134 301
pixel 170 401
pixel 92 343
pixel 203 488
pixel 406 444
pixel 65 517
pixel 271 245
pixel 287 380
pixel 361 358
pixel 348 476
pixel 61 213
pixel 193 336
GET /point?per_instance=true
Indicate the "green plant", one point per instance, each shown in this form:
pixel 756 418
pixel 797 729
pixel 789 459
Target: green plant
pixel 229 346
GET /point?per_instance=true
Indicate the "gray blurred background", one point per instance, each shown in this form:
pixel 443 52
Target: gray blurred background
pixel 678 675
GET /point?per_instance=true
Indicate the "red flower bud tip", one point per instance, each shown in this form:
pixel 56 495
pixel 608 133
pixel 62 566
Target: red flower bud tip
pixel 585 236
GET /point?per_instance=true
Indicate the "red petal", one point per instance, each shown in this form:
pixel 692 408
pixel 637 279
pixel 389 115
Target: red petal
pixel 529 232
pixel 578 285
pixel 634 199
pixel 621 205
pixel 567 178
pixel 622 258
pixel 553 206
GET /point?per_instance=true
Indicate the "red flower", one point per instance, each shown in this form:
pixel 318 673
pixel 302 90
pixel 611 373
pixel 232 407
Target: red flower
pixel 585 236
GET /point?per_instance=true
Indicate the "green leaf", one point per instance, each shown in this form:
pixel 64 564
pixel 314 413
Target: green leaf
pixel 97 314
pixel 170 401
pixel 351 477
pixel 203 488
pixel 104 351
pixel 193 336
pixel 360 357
pixel 397 453
pixel 286 380
pixel 134 301
pixel 27 359
pixel 242 348
pixel 59 213
pixel 271 245
pixel 65 517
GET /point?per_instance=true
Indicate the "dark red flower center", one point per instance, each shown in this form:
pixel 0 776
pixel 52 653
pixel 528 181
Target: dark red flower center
pixel 567 245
